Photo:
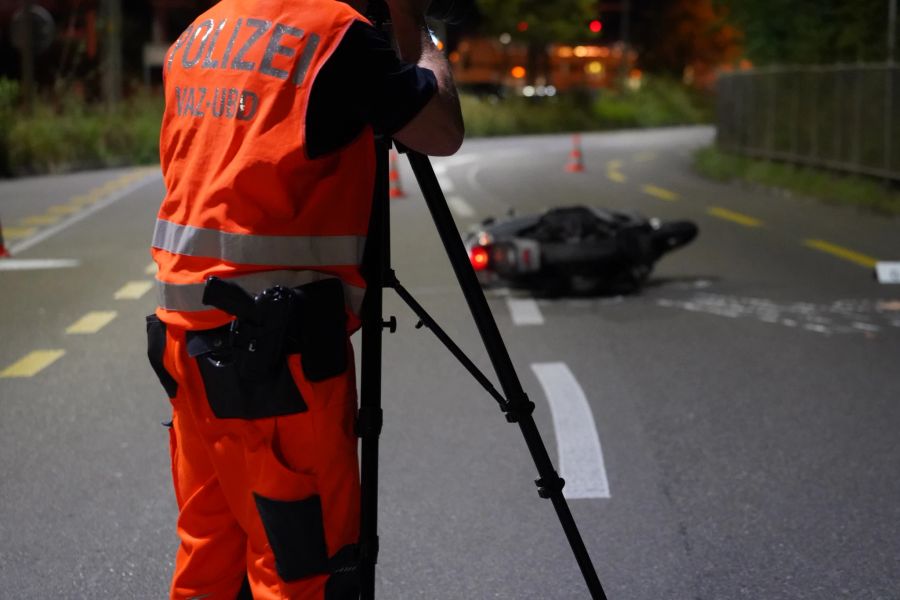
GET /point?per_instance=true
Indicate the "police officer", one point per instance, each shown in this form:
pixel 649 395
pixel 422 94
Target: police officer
pixel 267 151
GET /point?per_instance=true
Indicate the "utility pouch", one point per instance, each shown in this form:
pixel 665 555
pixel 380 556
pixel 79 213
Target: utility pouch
pixel 296 534
pixel 156 349
pixel 230 394
pixel 321 330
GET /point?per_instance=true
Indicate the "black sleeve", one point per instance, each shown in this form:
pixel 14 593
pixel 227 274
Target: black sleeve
pixel 363 83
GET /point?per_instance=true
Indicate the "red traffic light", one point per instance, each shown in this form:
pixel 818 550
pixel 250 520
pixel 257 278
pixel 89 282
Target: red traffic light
pixel 596 26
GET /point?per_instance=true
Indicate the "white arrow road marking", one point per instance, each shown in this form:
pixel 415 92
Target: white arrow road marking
pixel 525 311
pixel 580 455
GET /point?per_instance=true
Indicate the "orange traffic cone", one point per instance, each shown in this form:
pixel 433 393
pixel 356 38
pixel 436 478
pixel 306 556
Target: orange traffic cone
pixel 576 160
pixel 4 253
pixel 394 177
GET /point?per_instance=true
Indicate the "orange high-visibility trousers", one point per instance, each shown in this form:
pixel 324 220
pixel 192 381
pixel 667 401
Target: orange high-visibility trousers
pixel 272 500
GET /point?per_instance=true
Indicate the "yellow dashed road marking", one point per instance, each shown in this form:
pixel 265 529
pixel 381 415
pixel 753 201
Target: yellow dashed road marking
pixel 62 209
pixel 661 193
pixel 150 269
pixel 644 156
pixel 40 220
pixel 841 252
pixel 83 200
pixel 92 322
pixel 613 171
pixel 133 290
pixel 734 217
pixel 32 364
pixel 17 233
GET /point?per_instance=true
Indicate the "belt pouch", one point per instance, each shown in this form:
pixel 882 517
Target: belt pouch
pixel 322 329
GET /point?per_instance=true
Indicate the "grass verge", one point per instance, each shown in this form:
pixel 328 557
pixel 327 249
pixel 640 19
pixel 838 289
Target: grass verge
pixel 860 192
pixel 67 134
pixel 73 135
pixel 657 103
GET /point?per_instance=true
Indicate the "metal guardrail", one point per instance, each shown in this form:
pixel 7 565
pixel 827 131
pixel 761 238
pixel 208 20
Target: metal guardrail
pixel 844 117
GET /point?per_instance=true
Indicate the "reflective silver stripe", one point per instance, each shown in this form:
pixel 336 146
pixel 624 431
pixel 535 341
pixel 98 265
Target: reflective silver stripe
pixel 250 249
pixel 188 297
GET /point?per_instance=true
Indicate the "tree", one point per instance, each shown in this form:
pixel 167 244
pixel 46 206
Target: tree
pixel 688 33
pixel 537 23
pixel 547 21
pixel 811 31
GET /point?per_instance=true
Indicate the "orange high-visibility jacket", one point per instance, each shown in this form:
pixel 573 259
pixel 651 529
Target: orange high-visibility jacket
pixel 244 202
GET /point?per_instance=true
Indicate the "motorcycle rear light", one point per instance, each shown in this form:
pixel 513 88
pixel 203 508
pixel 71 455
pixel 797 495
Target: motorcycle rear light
pixel 479 257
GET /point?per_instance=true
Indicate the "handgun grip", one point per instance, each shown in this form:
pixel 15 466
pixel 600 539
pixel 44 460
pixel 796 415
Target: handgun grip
pixel 229 297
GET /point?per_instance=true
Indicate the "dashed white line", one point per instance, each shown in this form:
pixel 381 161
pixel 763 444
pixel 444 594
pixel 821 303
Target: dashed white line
pixel 446 183
pixel 580 455
pixel 460 207
pixel 13 264
pixel 525 311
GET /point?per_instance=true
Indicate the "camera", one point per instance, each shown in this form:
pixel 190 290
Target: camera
pixel 452 12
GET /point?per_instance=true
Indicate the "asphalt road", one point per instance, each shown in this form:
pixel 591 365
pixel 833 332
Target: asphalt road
pixel 745 402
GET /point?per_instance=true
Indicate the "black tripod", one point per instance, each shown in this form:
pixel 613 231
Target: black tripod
pixel 513 401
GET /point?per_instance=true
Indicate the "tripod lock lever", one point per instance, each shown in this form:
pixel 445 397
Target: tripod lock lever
pixel 518 408
pixel 548 486
pixel 390 324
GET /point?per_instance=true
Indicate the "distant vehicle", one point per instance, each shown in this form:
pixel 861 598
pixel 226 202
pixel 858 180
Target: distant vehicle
pixel 574 249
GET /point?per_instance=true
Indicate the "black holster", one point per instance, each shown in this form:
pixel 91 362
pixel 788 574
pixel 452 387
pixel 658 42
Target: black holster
pixel 309 320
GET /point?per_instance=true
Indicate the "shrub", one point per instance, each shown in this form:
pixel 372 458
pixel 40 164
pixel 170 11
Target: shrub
pixel 9 99
pixel 659 102
pixel 78 136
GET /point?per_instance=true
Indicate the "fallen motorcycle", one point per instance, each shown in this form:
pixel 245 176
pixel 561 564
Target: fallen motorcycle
pixel 575 249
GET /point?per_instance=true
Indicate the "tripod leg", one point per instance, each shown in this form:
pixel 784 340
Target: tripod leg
pixel 376 262
pixel 518 408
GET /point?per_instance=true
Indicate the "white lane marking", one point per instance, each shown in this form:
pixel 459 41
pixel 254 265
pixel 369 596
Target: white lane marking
pixel 457 161
pixel 888 272
pixel 525 311
pixel 460 207
pixel 580 455
pixel 14 264
pixel 81 215
pixel 151 269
